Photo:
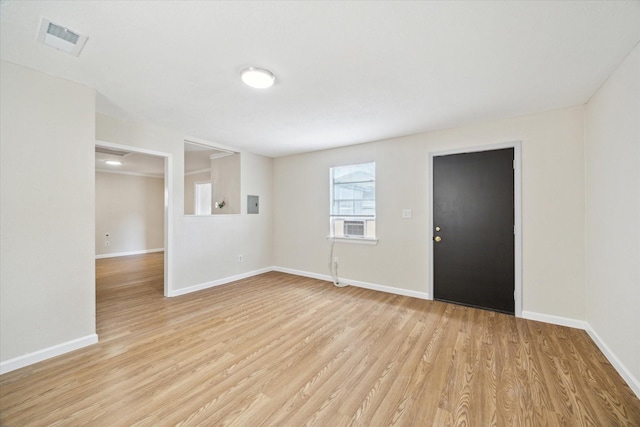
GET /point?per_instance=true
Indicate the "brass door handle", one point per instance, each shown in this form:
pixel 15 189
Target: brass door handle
pixel 437 239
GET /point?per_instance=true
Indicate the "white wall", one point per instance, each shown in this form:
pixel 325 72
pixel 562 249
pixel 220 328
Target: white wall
pixel 131 209
pixel 553 208
pixel 225 181
pixel 205 249
pixel 613 215
pixel 47 277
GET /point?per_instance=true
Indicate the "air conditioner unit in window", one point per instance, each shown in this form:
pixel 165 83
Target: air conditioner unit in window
pixel 354 228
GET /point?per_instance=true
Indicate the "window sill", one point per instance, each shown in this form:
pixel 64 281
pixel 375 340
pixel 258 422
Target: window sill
pixel 355 240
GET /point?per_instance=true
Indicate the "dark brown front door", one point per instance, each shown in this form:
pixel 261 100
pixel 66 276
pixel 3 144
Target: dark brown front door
pixel 473 219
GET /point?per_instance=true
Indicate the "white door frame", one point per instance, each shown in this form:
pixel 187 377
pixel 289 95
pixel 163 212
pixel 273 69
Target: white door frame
pixel 517 189
pixel 168 204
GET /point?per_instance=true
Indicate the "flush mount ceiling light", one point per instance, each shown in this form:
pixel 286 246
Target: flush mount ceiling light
pixel 113 162
pixel 258 78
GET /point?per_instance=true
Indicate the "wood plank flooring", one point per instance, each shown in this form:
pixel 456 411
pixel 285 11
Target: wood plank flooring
pixel 282 350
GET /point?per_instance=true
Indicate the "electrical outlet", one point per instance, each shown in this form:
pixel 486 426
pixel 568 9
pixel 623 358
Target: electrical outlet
pixel 107 243
pixel 240 258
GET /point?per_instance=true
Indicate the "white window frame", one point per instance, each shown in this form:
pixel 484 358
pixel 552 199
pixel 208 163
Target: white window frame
pixel 370 236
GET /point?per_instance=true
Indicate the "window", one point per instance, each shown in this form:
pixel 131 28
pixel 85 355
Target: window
pixel 353 201
pixel 203 198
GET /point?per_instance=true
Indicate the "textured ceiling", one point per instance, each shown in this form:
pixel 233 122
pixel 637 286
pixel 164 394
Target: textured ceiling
pixel 347 72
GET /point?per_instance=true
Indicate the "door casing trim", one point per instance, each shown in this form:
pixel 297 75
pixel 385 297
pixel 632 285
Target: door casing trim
pixel 168 204
pixel 517 189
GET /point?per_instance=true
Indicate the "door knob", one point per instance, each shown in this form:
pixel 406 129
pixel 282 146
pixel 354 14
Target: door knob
pixel 437 239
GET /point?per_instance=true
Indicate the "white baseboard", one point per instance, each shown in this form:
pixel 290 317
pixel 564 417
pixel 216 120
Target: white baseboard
pixel 356 283
pixel 309 274
pixel 145 251
pixel 223 281
pixel 555 320
pixel 624 372
pixel 46 353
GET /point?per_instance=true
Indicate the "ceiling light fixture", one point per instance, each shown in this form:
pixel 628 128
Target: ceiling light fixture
pixel 113 162
pixel 258 78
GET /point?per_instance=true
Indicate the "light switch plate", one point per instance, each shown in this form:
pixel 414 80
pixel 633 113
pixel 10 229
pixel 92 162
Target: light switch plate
pixel 253 204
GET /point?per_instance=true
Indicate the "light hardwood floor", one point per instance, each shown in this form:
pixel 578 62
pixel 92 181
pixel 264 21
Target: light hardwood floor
pixel 282 350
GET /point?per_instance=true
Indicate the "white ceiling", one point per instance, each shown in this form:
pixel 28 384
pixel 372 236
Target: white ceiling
pixel 347 72
pixel 196 158
pixel 132 163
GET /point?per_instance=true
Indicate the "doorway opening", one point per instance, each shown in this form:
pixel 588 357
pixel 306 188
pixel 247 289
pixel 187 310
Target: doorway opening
pixel 476 241
pixel 139 161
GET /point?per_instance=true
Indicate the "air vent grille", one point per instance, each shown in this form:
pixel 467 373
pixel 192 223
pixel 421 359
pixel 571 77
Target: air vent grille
pixel 354 228
pixel 62 33
pixel 61 38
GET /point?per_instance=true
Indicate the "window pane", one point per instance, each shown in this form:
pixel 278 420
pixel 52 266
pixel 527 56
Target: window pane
pixel 364 208
pixel 343 191
pixel 345 208
pixel 353 190
pixel 357 191
pixel 354 173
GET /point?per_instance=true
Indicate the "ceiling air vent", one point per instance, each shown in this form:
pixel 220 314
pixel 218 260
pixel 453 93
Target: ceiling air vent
pixel 61 38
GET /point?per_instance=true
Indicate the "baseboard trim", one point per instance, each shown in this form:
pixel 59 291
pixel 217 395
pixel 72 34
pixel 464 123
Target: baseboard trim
pixel 219 282
pixel 624 372
pixel 47 353
pixel 302 273
pixel 555 320
pixel 356 283
pixel 145 251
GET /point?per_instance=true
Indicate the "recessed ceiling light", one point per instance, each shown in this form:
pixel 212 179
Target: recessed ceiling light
pixel 258 78
pixel 113 162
